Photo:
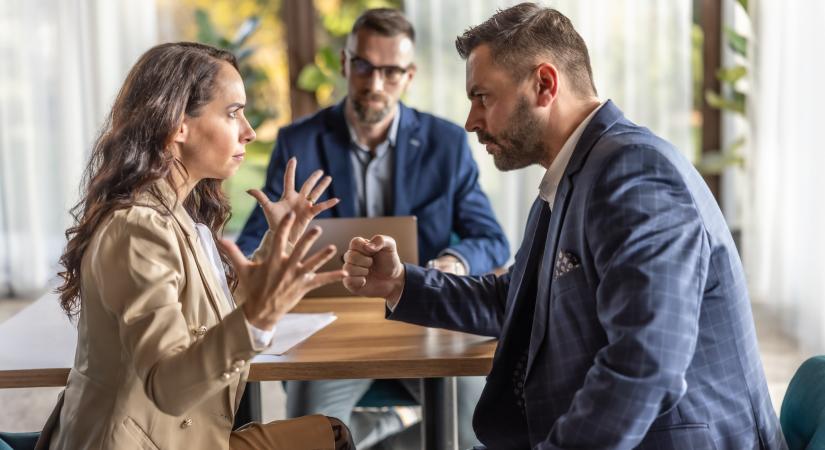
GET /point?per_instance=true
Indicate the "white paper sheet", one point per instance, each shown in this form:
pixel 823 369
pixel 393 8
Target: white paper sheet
pixel 295 328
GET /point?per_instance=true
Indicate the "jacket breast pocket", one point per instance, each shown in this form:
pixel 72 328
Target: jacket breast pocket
pixel 686 436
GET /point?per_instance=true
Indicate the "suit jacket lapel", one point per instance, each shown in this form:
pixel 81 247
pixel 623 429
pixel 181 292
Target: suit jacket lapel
pixel 335 146
pixel 608 115
pixel 517 280
pixel 407 145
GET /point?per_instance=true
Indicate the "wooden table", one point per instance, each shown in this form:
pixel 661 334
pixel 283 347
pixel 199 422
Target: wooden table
pixel 37 349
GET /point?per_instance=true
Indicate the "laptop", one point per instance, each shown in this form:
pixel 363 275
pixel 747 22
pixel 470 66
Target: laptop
pixel 339 232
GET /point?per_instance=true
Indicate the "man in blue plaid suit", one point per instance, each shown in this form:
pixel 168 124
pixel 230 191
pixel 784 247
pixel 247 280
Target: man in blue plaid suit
pixel 625 320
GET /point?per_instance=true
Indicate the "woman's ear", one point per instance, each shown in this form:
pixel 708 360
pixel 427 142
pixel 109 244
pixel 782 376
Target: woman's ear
pixel 182 133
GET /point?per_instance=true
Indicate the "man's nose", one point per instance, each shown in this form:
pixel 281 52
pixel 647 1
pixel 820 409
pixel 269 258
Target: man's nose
pixel 376 80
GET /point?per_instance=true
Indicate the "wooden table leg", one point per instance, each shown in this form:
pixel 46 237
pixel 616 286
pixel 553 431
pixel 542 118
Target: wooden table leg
pixel 440 424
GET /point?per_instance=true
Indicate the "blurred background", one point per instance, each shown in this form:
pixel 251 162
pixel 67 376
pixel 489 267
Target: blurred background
pixel 735 84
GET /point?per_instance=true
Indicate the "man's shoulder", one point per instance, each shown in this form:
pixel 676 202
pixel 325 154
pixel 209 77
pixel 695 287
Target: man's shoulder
pixel 428 121
pixel 316 122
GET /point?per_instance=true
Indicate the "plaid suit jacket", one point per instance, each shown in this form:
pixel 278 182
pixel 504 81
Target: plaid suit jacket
pixel 641 334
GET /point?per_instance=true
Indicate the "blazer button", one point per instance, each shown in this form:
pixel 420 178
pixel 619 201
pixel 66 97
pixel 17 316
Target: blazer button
pixel 239 363
pixel 236 369
pixel 186 423
pixel 201 330
pixel 225 376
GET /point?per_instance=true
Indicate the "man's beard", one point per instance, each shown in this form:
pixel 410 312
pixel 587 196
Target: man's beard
pixel 520 142
pixel 371 115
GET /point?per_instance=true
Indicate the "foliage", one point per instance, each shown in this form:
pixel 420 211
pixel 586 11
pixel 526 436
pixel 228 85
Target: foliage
pixel 257 110
pixel 732 98
pixel 323 76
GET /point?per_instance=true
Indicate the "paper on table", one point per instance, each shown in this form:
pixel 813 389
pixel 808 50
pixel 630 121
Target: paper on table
pixel 295 328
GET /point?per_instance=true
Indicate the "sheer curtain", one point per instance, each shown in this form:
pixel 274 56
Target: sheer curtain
pixel 784 233
pixel 62 63
pixel 639 50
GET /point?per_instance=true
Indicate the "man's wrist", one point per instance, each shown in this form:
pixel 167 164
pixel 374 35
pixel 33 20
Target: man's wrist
pixel 398 288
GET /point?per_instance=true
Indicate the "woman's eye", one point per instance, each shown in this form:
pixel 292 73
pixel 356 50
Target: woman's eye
pixel 233 114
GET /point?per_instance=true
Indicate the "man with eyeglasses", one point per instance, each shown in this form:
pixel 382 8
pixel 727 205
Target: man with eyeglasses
pixel 386 159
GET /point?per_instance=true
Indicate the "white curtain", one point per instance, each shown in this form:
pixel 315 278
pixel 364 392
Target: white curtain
pixel 639 50
pixel 784 231
pixel 62 63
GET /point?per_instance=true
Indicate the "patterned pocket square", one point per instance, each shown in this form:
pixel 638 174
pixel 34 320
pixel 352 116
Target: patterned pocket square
pixel 565 263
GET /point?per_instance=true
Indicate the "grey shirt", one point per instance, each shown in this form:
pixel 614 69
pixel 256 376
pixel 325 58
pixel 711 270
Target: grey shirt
pixel 373 174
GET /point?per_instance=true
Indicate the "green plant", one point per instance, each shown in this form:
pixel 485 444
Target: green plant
pixel 732 99
pixel 323 76
pixel 257 110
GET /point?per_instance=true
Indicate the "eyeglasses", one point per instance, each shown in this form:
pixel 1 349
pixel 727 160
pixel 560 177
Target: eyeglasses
pixel 363 68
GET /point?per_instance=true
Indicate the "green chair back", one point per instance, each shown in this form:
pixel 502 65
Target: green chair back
pixel 803 409
pixel 18 441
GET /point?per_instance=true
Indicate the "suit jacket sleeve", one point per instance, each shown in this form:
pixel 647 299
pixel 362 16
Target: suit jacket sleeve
pixel 462 303
pixel 140 286
pixel 255 227
pixel 651 254
pixel 482 244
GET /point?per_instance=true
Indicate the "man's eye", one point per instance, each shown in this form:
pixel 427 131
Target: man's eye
pixel 233 114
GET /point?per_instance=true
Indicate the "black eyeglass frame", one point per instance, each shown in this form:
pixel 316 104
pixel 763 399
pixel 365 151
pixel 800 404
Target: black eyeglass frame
pixel 363 68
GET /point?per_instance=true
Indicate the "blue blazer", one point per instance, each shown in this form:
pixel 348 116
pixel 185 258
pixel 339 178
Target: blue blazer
pixel 628 325
pixel 435 178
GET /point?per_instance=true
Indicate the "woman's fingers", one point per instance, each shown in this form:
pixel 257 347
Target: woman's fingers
pixel 319 188
pixel 281 238
pixel 262 199
pixel 323 278
pixel 289 176
pixel 235 254
pixel 310 183
pixel 303 245
pixel 318 259
pixel 318 208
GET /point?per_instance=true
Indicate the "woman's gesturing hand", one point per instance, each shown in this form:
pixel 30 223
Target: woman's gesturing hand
pixel 275 284
pixel 302 202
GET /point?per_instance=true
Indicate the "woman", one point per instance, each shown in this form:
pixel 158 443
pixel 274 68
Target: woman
pixel 163 352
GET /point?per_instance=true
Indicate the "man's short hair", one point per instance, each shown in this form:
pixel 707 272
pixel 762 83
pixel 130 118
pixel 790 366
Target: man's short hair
pixel 384 21
pixel 519 34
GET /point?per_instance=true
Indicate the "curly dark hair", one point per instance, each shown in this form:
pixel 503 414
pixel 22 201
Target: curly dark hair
pixel 131 152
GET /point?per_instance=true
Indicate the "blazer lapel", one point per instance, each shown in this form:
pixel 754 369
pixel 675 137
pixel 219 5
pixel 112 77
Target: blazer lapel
pixel 407 145
pixel 525 255
pixel 335 146
pixel 608 115
pixel 205 271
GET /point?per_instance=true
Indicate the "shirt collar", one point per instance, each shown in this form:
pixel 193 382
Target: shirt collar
pixel 391 135
pixel 550 182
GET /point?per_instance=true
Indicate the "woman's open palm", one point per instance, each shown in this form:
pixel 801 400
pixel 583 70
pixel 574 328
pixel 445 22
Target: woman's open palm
pixel 302 202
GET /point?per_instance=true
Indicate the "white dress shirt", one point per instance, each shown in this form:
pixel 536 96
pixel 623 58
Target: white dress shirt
pixel 261 338
pixel 550 182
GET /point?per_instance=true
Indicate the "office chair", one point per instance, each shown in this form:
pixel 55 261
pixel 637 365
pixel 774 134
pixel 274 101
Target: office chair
pixel 803 409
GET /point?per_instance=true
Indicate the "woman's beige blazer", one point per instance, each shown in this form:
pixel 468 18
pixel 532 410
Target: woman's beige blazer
pixel 162 358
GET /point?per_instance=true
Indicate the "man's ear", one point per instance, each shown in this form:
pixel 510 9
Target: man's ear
pixel 547 86
pixel 411 72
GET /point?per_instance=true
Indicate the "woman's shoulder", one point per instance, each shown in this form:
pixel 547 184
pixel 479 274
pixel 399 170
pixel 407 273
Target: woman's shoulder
pixel 142 216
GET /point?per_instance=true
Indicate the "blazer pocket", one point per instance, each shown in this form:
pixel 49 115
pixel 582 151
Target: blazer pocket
pixel 570 280
pixel 684 436
pixel 135 431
